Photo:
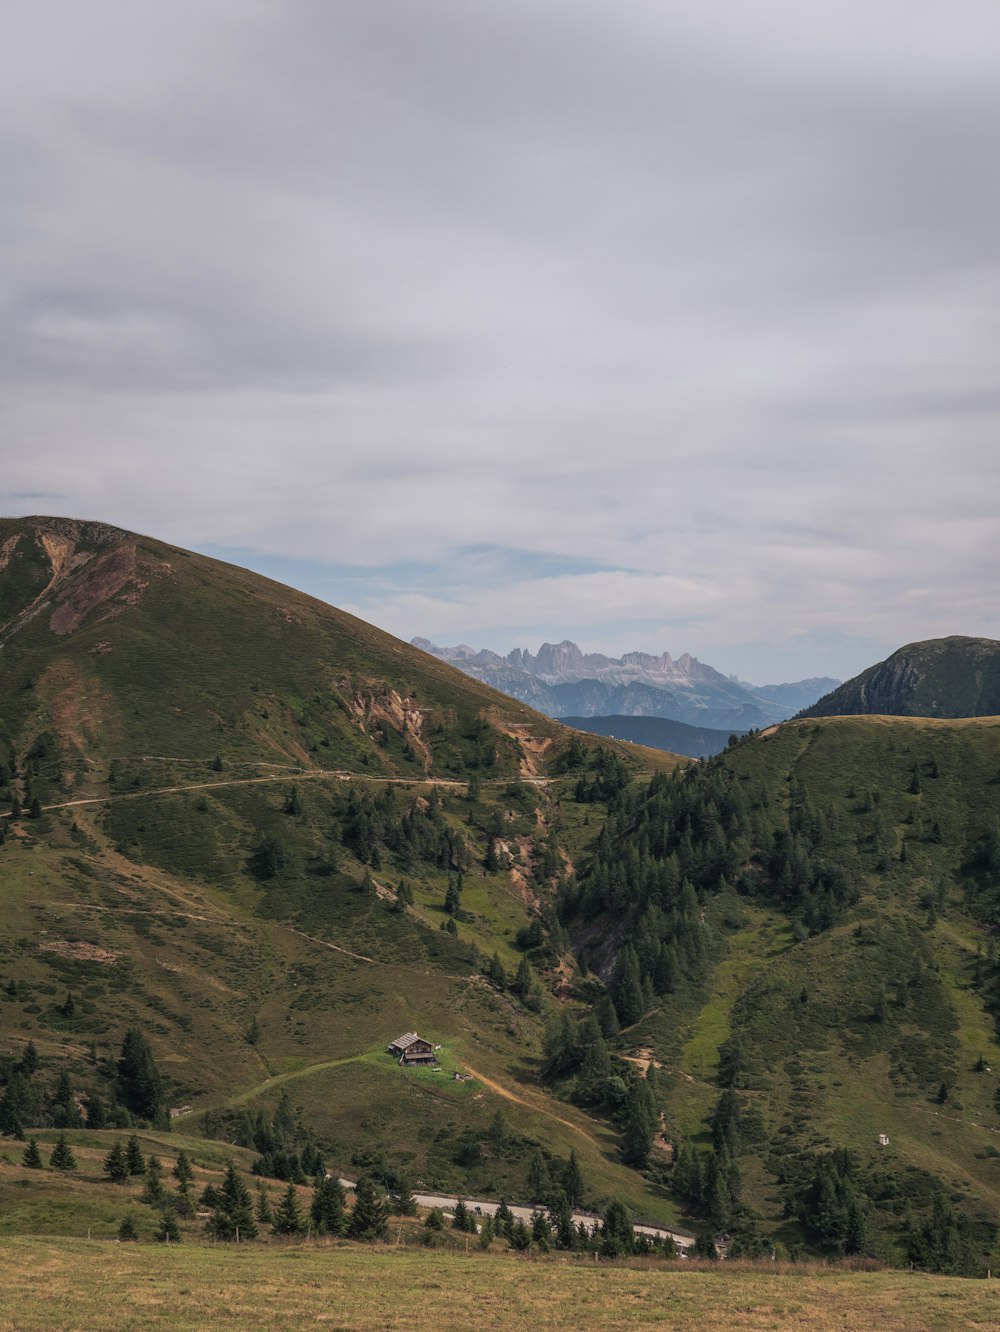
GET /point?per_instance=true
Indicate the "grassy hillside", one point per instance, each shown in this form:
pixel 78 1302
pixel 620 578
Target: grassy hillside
pixel 830 892
pixel 296 1286
pixel 231 818
pixel 271 838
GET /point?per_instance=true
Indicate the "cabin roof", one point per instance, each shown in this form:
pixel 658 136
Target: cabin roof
pixel 406 1040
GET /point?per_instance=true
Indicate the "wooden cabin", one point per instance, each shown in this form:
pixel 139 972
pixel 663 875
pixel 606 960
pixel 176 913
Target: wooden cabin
pixel 413 1049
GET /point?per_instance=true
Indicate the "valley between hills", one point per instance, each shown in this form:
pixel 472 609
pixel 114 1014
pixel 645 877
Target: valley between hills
pixel 254 839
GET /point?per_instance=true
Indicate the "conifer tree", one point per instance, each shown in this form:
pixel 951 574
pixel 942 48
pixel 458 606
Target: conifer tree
pixel 133 1156
pixel 327 1209
pixel 262 1211
pixel 503 1219
pixel 152 1186
pixel 403 1200
pixel 169 1232
pixel 486 1233
pixel 139 1084
pixel 233 1216
pixel 617 1235
pixel 62 1155
pixel 127 1230
pixel 565 1234
pixel 182 1171
pixel 628 997
pixel 539 1181
pixel 368 1218
pixel 64 1108
pixel 572 1181
pixel 97 1116
pixel 460 1219
pixel 452 898
pixel 32 1157
pixel 541 1232
pixel 29 1059
pixel 288 1219
pixel 115 1163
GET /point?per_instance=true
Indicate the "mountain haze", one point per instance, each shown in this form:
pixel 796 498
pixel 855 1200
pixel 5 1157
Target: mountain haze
pixel 563 681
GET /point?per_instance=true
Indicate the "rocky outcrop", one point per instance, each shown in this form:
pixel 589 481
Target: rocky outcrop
pixel 942 677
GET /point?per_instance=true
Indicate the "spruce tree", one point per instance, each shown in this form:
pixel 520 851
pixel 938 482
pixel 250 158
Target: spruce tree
pixel 233 1216
pixel 64 1108
pixel 617 1235
pixel 262 1210
pixel 29 1059
pixel 503 1219
pixel 182 1171
pixel 62 1155
pixel 541 1232
pixel 288 1219
pixel 368 1219
pixel 169 1232
pixel 139 1084
pixel 152 1186
pixel 32 1157
pixel 452 898
pixel 572 1181
pixel 327 1208
pixel 115 1163
pixel 127 1230
pixel 628 997
pixel 133 1156
pixel 403 1201
pixel 97 1115
pixel 539 1181
pixel 639 1126
pixel 460 1219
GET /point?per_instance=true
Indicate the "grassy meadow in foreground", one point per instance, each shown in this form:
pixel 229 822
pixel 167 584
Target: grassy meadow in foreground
pixel 75 1284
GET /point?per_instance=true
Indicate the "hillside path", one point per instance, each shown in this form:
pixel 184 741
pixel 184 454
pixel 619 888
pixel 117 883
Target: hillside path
pixel 536 1105
pixel 299 775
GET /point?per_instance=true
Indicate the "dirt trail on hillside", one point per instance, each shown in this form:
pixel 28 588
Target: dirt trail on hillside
pixel 277 1080
pixel 299 776
pixel 528 1105
pixel 324 943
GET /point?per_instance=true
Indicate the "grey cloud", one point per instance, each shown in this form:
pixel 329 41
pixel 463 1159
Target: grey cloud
pixel 697 289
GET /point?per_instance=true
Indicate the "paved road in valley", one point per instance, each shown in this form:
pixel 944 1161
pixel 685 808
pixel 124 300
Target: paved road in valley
pixel 590 1219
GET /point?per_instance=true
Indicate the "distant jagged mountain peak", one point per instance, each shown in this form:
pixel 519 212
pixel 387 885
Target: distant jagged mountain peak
pixel 562 680
pixel 939 677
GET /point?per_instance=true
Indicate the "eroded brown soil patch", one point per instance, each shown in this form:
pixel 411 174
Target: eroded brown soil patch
pixel 78 951
pixel 103 579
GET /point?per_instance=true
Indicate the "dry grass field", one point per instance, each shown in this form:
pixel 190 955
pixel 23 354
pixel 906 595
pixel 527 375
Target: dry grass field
pixel 73 1284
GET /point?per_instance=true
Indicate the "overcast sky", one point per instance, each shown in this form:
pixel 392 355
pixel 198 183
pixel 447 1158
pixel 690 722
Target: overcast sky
pixel 661 324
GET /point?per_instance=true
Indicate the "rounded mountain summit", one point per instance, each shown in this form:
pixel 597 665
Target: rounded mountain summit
pixel 941 677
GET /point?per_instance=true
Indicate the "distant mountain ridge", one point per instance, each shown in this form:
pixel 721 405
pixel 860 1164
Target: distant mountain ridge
pixel 563 681
pixel 657 733
pixel 940 677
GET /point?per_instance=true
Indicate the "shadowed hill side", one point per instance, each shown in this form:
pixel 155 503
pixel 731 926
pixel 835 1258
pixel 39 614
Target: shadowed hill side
pixel 942 677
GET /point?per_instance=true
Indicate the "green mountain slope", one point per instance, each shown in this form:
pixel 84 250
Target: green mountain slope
pixel 803 937
pixel 232 816
pixel 224 824
pixel 943 677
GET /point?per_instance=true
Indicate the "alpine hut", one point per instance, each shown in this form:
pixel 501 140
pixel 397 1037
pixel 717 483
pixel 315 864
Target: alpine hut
pixel 412 1049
